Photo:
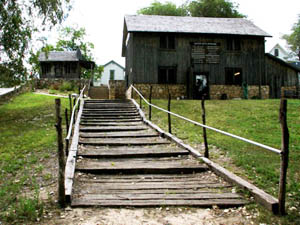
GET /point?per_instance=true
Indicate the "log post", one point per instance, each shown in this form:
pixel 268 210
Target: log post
pixel 150 100
pixel 61 156
pixel 206 153
pixel 74 102
pixel 284 155
pixel 67 120
pixel 169 115
pixel 141 102
pixel 70 102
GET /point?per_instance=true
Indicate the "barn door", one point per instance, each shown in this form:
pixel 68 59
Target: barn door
pixel 200 85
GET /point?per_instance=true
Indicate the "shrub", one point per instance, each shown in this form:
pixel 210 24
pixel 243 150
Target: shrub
pixel 66 86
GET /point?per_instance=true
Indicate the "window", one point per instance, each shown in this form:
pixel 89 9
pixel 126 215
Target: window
pixel 167 42
pixel 276 52
pixel 58 70
pixel 167 75
pixel 46 68
pixel 67 68
pixel 233 76
pixel 111 74
pixel 233 44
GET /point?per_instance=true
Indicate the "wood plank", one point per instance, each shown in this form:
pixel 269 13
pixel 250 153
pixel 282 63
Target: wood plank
pixel 80 202
pixel 114 128
pixel 138 167
pixel 136 134
pixel 92 120
pixel 123 141
pixel 95 153
pixel 71 162
pixel 112 124
pixel 112 117
pixel 171 196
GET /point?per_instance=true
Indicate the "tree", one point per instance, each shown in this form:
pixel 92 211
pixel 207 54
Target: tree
pixel 293 39
pixel 196 8
pixel 214 8
pixel 167 9
pixel 19 19
pixel 70 39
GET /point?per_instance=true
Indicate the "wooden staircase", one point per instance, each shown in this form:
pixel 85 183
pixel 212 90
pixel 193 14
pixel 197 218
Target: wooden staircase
pixel 123 162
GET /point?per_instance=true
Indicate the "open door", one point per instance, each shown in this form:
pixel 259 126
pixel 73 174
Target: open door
pixel 201 87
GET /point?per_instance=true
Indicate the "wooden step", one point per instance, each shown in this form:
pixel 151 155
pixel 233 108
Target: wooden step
pixel 92 120
pixel 123 141
pixel 111 124
pixel 113 128
pixel 111 117
pixel 132 134
pixel 140 166
pixel 109 114
pixel 132 152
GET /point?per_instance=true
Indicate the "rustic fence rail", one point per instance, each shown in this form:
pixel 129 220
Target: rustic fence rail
pixel 283 152
pixel 72 119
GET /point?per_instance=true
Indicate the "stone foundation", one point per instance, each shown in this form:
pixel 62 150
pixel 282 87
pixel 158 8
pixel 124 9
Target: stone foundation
pixel 161 91
pixel 233 91
pixel 289 92
pixel 56 83
pixel 117 89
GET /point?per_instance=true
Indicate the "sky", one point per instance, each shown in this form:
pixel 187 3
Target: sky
pixel 103 21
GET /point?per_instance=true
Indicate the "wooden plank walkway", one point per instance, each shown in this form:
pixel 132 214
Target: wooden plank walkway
pixel 123 162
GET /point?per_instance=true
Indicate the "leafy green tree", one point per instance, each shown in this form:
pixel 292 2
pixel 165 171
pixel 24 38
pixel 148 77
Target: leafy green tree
pixel 18 21
pixel 196 8
pixel 214 8
pixel 167 9
pixel 293 39
pixel 70 39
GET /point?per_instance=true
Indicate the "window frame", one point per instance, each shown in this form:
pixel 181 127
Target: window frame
pixel 170 77
pixel 231 78
pixel 111 74
pixel 167 42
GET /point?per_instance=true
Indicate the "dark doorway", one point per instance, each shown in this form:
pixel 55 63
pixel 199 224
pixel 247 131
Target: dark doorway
pixel 201 87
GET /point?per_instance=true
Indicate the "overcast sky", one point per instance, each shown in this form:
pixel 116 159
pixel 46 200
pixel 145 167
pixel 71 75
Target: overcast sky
pixel 103 21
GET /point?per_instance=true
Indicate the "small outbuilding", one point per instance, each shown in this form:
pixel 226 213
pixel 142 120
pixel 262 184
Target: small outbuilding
pixel 63 65
pixel 111 71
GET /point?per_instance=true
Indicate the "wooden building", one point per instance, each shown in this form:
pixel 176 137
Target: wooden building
pixel 282 77
pixel 192 56
pixel 64 65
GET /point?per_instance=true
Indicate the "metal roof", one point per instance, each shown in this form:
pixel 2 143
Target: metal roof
pixel 53 56
pixel 200 25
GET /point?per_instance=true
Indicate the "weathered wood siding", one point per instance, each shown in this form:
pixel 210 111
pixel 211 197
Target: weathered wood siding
pixel 144 56
pixel 279 75
pixel 75 70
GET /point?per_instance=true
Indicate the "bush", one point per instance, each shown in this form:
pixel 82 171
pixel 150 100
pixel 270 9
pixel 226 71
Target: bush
pixel 66 86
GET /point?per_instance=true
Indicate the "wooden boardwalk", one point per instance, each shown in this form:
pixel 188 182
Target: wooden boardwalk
pixel 123 162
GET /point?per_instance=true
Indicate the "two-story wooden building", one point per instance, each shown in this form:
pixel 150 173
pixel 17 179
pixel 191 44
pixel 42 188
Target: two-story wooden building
pixel 192 56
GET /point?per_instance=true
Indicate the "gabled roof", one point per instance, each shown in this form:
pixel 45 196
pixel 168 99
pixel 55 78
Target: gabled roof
pixel 187 24
pixel 112 61
pixel 53 56
pixel 282 62
pixel 278 46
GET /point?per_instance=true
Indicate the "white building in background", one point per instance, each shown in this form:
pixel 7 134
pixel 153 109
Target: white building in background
pixel 112 71
pixel 279 52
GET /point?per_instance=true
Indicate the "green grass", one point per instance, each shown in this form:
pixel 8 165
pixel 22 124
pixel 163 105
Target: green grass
pixel 256 120
pixel 27 136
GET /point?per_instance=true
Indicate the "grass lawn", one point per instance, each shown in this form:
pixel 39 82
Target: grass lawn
pixel 256 120
pixel 27 140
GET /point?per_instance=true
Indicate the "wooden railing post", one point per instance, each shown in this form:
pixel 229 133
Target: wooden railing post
pixel 169 115
pixel 61 156
pixel 74 102
pixel 284 155
pixel 70 102
pixel 141 102
pixel 206 153
pixel 67 128
pixel 150 100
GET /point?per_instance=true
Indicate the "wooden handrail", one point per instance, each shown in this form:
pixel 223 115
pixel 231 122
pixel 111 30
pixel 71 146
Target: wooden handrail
pixel 73 112
pixel 211 128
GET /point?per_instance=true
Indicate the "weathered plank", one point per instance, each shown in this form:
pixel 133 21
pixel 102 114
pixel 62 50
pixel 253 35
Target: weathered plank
pixel 143 152
pixel 114 128
pixel 136 134
pixel 203 203
pixel 112 124
pixel 123 141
